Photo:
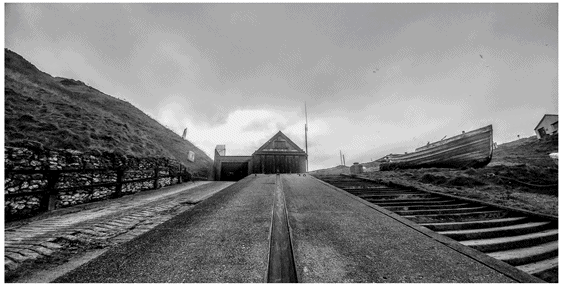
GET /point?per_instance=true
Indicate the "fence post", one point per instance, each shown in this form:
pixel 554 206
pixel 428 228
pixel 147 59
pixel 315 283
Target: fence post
pixel 179 173
pixel 156 182
pixel 49 200
pixel 119 180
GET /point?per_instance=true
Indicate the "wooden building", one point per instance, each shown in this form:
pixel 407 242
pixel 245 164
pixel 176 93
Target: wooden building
pixel 548 125
pixel 230 168
pixel 278 155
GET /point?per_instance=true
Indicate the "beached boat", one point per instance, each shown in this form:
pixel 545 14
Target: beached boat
pixel 470 149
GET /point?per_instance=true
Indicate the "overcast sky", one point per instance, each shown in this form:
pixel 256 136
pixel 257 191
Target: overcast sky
pixel 377 78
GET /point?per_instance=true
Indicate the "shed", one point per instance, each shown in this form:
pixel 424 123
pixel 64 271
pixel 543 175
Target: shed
pixel 230 168
pixel 234 168
pixel 548 125
pixel 278 155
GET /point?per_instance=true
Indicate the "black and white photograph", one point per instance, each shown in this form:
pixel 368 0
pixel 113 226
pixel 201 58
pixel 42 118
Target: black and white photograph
pixel 281 142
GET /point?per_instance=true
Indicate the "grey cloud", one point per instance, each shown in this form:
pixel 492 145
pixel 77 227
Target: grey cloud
pixel 316 158
pixel 256 126
pixel 225 57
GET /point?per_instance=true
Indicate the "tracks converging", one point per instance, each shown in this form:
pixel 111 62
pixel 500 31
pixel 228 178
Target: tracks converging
pixel 526 241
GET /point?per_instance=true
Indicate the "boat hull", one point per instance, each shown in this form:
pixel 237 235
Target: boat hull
pixel 473 149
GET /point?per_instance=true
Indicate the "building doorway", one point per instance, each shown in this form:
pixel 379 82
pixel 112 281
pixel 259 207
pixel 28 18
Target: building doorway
pixel 542 132
pixel 234 171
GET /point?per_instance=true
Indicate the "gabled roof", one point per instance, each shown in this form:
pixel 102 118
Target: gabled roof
pixel 547 115
pixel 292 147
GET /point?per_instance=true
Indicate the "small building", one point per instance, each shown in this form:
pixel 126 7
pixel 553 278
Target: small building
pixel 230 168
pixel 278 155
pixel 357 168
pixel 548 125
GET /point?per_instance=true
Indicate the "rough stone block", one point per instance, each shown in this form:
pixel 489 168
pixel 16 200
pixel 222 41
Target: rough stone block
pixel 42 250
pixel 51 245
pixel 16 257
pixel 30 254
pixel 69 237
pixel 9 264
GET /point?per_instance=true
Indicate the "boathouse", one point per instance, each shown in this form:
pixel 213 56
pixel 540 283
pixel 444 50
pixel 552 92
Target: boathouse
pixel 278 155
pixel 548 125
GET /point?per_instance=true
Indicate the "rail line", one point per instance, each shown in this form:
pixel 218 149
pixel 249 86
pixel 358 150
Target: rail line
pixel 524 240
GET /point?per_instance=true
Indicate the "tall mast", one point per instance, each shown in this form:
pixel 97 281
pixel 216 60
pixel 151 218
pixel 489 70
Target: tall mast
pixel 307 160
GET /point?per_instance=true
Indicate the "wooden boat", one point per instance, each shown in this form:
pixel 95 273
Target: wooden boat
pixel 472 149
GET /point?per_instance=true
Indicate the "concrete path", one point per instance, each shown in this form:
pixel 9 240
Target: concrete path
pixel 95 225
pixel 67 216
pixel 335 238
pixel 222 239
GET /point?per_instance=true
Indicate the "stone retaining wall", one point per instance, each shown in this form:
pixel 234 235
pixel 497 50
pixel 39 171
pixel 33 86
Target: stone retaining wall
pixel 38 179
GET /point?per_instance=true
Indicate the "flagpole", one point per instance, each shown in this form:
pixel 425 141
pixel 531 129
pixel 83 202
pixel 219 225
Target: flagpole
pixel 307 160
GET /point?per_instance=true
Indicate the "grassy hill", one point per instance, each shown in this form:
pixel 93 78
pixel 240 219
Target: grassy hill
pixel 66 113
pixel 530 151
pixel 332 170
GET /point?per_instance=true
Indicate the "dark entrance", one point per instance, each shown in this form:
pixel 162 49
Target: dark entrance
pixel 542 132
pixel 279 163
pixel 234 171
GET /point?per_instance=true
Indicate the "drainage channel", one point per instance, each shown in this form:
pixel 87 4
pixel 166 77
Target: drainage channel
pixel 281 268
pixel 526 241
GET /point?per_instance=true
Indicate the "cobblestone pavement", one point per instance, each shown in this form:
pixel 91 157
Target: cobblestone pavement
pixel 96 225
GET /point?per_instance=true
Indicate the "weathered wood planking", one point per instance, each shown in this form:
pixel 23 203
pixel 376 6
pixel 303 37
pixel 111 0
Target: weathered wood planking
pixel 471 149
pixel 279 163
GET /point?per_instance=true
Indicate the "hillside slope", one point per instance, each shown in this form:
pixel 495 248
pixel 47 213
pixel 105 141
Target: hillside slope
pixel 530 151
pixel 65 113
pixel 332 170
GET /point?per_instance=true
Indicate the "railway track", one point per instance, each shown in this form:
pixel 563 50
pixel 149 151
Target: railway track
pixel 526 241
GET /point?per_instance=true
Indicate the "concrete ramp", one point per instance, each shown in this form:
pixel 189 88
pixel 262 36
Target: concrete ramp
pixel 333 237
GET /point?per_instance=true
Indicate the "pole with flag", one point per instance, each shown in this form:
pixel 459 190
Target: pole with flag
pixel 307 160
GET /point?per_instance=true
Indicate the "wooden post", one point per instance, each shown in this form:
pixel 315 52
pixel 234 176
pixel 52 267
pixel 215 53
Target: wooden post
pixel 49 200
pixel 156 182
pixel 180 173
pixel 119 182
